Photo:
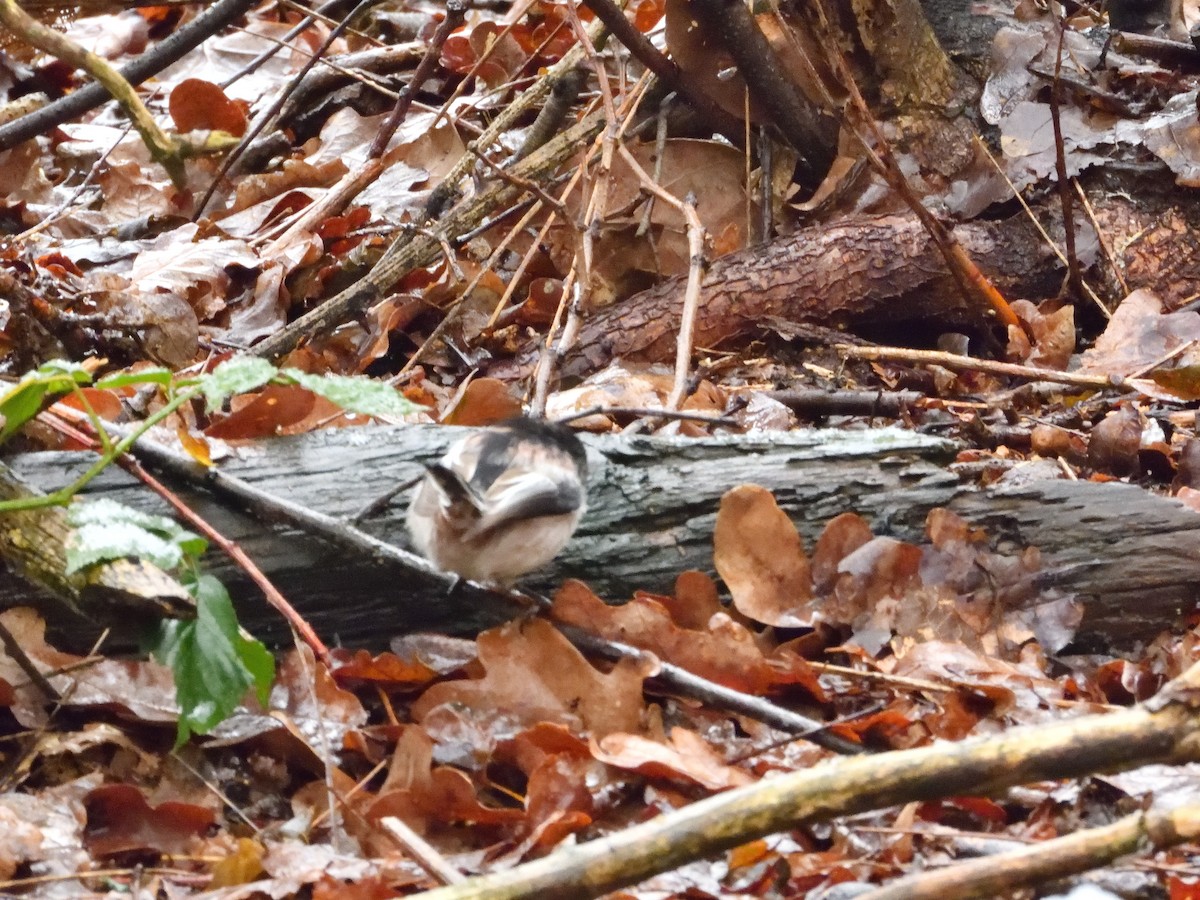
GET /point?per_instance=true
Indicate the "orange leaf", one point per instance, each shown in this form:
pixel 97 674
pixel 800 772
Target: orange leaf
pixel 759 554
pixel 196 104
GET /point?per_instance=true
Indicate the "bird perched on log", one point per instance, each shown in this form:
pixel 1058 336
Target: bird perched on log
pixel 503 501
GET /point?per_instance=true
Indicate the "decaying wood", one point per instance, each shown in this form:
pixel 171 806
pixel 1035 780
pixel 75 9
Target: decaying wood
pixel 874 271
pixel 33 544
pixel 859 271
pixel 1126 554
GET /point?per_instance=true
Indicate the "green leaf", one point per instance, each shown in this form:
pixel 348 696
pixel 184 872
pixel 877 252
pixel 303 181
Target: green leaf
pixel 154 375
pixel 24 399
pixel 133 533
pixel 356 394
pixel 213 663
pixel 95 543
pixel 235 376
pixel 63 370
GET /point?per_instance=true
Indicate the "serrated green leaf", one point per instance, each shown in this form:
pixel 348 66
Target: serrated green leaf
pixel 355 393
pixel 105 512
pixel 53 369
pixel 235 376
pixel 95 543
pixel 213 664
pixel 165 643
pixel 24 399
pixel 154 375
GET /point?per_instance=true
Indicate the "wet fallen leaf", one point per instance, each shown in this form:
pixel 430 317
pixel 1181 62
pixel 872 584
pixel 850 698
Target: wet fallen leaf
pixel 758 553
pixel 119 820
pixel 723 651
pixel 683 755
pixel 532 674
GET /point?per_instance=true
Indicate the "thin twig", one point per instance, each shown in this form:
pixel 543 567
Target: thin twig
pixel 663 67
pixel 969 364
pixel 456 11
pixel 879 154
pixel 645 412
pixel 696 268
pixel 1006 874
pixel 228 547
pixel 1095 298
pixel 269 113
pixel 1105 246
pixel 18 655
pixel 422 852
pixel 1060 165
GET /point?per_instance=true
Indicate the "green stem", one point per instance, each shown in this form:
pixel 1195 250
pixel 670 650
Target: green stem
pixel 63 495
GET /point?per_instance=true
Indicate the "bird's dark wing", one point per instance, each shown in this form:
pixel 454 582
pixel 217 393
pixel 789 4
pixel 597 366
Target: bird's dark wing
pixel 516 496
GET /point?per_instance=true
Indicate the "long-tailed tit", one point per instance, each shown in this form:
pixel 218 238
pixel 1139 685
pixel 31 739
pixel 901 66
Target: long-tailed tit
pixel 502 501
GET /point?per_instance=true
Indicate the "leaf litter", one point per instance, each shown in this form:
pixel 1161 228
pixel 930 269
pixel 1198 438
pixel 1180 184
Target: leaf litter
pixel 501 749
pixel 515 742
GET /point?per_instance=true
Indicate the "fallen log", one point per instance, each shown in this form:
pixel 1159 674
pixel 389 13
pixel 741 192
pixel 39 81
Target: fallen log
pixel 866 273
pixel 1126 554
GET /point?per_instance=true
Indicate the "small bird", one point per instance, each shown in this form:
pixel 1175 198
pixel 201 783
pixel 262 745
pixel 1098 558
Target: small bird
pixel 502 501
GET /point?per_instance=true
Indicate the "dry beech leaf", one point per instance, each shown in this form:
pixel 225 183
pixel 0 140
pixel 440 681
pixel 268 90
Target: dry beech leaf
pixel 533 674
pixel 760 556
pixel 263 414
pixel 197 104
pixel 541 303
pixel 1140 334
pixel 1052 441
pixel 1052 327
pixel 387 670
pixel 484 401
pixel 685 755
pixel 105 404
pixel 723 651
pixel 119 820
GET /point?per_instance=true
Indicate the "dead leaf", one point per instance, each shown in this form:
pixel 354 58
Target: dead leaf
pixel 758 553
pixel 723 651
pixel 485 401
pixel 119 820
pixel 1114 442
pixel 1139 335
pixel 196 104
pixel 385 670
pixel 532 674
pixel 684 755
pixel 263 414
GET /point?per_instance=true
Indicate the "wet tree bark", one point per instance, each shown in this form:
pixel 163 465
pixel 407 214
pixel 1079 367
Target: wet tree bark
pixel 1127 555
pixel 868 272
